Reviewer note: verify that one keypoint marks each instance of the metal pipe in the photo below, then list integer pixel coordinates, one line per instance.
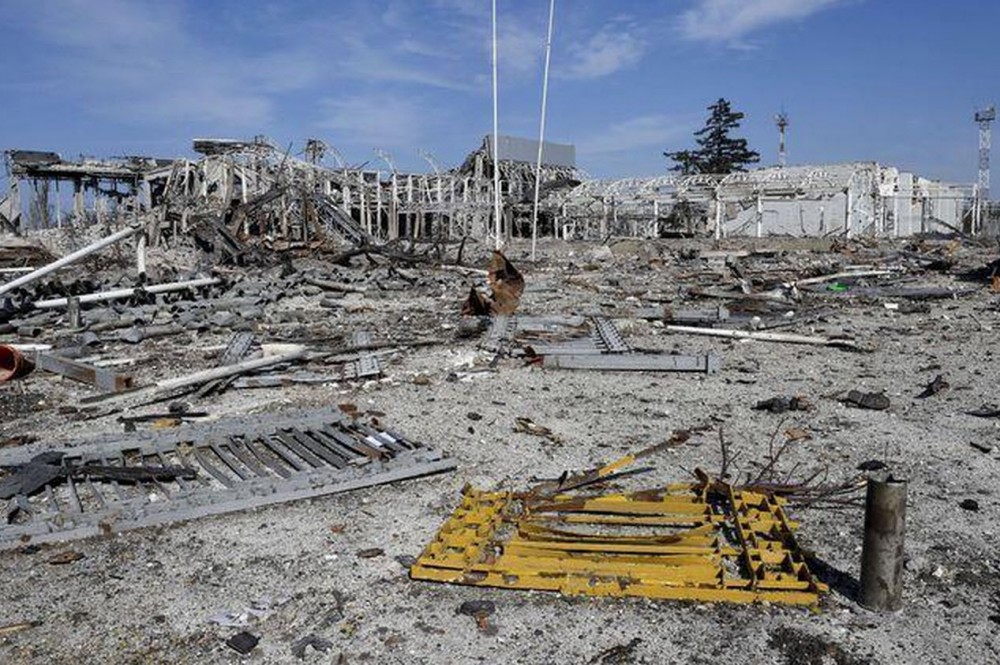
(13, 364)
(230, 370)
(69, 258)
(882, 554)
(125, 293)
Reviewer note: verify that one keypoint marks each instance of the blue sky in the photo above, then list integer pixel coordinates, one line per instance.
(883, 80)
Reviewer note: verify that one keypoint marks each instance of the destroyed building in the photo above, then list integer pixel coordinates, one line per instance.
(255, 190)
(280, 406)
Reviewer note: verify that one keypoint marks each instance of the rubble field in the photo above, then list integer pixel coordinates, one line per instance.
(379, 338)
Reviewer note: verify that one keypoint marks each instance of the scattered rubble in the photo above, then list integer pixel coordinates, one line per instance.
(872, 401)
(243, 643)
(936, 385)
(220, 326)
(782, 404)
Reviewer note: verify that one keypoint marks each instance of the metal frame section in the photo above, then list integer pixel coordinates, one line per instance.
(699, 542)
(603, 348)
(239, 464)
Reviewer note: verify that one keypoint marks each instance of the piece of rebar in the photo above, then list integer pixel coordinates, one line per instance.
(69, 258)
(882, 555)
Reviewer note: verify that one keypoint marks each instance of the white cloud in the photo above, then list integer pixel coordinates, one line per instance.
(654, 132)
(607, 51)
(380, 119)
(731, 20)
(139, 62)
(519, 48)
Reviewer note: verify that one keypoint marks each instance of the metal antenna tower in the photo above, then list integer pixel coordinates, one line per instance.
(337, 155)
(985, 118)
(781, 120)
(387, 158)
(315, 149)
(430, 159)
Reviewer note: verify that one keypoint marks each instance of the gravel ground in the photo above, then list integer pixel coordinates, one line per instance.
(148, 596)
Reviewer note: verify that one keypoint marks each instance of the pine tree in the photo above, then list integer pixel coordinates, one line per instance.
(717, 151)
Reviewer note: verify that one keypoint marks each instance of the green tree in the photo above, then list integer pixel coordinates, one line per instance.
(717, 152)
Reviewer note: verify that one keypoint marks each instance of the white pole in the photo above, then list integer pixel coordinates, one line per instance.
(70, 258)
(115, 294)
(496, 137)
(541, 129)
(140, 255)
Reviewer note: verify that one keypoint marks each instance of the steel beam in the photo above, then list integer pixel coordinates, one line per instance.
(635, 362)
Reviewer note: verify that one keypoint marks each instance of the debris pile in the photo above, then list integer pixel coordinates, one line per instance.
(251, 328)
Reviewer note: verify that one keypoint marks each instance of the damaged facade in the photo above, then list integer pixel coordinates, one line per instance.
(254, 190)
(160, 318)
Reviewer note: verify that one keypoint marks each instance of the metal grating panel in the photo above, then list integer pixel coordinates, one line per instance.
(608, 338)
(237, 349)
(367, 365)
(238, 464)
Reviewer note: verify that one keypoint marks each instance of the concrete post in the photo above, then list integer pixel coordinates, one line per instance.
(882, 554)
(73, 312)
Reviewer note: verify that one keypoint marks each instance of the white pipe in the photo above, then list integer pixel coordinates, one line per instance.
(140, 255)
(541, 130)
(70, 258)
(763, 336)
(125, 293)
(842, 275)
(496, 136)
(228, 370)
(204, 376)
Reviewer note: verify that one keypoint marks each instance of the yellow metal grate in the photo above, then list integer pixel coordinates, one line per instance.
(704, 542)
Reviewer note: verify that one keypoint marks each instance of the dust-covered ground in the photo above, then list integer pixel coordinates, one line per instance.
(149, 595)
